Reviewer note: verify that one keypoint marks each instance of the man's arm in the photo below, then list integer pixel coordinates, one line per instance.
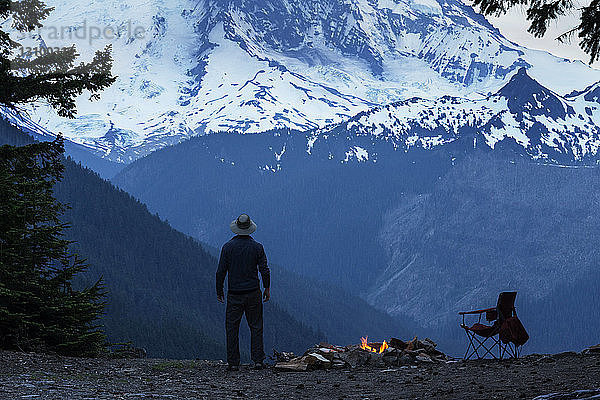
(265, 273)
(221, 273)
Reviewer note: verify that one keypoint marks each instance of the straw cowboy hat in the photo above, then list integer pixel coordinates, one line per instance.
(243, 225)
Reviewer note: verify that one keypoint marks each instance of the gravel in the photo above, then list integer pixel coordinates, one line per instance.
(36, 376)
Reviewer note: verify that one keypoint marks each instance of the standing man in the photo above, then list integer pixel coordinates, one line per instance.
(242, 257)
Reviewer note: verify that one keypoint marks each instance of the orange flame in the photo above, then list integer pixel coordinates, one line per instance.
(384, 346)
(364, 344)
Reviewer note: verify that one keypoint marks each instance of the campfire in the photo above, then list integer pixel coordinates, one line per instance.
(365, 346)
(395, 353)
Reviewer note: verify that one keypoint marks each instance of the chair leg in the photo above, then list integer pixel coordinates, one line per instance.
(512, 350)
(504, 349)
(489, 350)
(467, 352)
(516, 351)
(469, 346)
(474, 352)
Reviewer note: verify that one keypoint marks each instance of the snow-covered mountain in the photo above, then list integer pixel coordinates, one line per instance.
(522, 118)
(523, 114)
(214, 65)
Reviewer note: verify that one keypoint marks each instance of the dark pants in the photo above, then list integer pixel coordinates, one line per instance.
(251, 305)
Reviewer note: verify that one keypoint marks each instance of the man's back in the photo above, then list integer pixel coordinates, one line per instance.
(242, 258)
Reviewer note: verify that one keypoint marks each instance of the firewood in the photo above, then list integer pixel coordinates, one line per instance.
(397, 344)
(412, 344)
(292, 366)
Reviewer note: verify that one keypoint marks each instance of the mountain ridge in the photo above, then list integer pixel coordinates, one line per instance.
(542, 124)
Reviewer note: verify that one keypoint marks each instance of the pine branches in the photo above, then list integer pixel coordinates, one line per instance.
(589, 30)
(541, 13)
(39, 308)
(53, 77)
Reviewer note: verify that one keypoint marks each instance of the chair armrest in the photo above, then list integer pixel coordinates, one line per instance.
(476, 311)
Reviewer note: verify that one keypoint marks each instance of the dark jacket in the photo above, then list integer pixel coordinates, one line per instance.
(240, 258)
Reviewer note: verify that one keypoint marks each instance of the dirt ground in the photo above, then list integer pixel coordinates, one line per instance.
(34, 376)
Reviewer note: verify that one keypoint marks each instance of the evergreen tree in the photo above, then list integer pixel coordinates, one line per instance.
(541, 13)
(39, 308)
(53, 77)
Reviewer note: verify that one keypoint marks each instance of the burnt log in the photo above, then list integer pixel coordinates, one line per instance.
(398, 344)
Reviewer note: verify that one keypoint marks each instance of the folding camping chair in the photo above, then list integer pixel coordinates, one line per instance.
(506, 334)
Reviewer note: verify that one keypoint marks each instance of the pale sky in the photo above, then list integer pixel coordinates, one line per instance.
(514, 27)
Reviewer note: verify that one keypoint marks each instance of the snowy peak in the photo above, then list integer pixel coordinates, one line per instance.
(525, 94)
(206, 66)
(449, 35)
(593, 94)
(523, 116)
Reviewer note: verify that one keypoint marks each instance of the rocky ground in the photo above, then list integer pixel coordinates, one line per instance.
(34, 376)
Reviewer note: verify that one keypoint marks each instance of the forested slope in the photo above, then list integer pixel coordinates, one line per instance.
(161, 282)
